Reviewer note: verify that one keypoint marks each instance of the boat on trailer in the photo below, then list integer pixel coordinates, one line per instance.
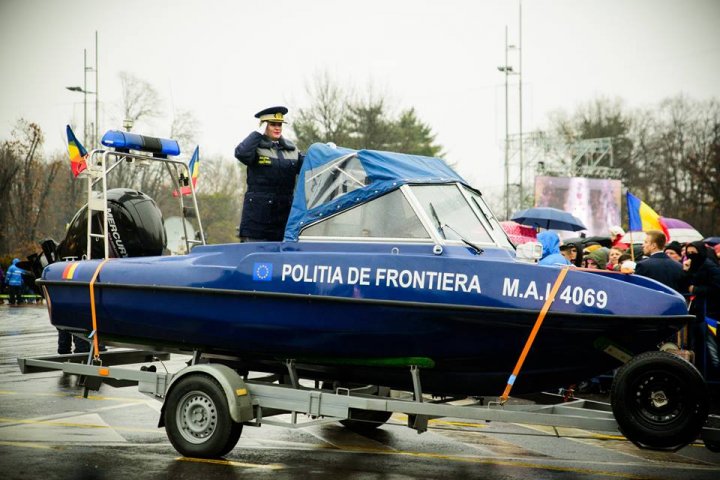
(391, 263)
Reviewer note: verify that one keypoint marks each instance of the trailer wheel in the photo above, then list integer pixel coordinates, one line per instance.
(364, 421)
(660, 401)
(197, 418)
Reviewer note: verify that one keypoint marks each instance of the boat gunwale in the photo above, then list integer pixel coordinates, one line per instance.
(372, 301)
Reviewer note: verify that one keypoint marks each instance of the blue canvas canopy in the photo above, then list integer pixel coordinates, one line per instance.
(333, 179)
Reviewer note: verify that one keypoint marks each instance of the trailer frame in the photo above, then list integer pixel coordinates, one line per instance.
(254, 401)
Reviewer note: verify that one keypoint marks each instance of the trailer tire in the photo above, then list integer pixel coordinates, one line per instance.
(660, 401)
(197, 418)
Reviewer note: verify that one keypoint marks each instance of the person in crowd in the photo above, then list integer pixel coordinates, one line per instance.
(550, 242)
(614, 258)
(591, 247)
(15, 283)
(658, 265)
(273, 163)
(589, 262)
(703, 277)
(570, 251)
(576, 254)
(625, 264)
(674, 251)
(616, 235)
(596, 259)
(712, 255)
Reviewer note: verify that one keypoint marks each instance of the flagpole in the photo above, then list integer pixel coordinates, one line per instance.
(627, 203)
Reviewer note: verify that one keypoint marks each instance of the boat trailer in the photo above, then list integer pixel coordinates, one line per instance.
(191, 394)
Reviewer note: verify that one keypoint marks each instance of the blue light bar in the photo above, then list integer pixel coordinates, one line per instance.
(132, 141)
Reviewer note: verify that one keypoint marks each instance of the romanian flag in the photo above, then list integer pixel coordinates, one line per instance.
(643, 218)
(194, 167)
(712, 325)
(78, 154)
(69, 271)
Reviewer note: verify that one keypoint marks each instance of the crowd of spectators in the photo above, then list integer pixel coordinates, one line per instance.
(691, 269)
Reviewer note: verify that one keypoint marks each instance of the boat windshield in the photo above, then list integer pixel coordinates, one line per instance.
(452, 215)
(388, 216)
(332, 180)
(488, 217)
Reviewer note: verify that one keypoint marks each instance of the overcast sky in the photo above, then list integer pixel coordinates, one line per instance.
(225, 60)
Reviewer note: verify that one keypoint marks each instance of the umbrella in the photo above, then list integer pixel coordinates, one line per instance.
(679, 231)
(676, 223)
(712, 241)
(604, 241)
(548, 218)
(517, 233)
(680, 235)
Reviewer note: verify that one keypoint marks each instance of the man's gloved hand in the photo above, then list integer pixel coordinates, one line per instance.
(261, 128)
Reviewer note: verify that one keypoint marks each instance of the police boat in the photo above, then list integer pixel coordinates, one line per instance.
(389, 261)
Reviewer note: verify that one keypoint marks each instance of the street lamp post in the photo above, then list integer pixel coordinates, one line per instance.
(85, 93)
(507, 70)
(520, 104)
(97, 94)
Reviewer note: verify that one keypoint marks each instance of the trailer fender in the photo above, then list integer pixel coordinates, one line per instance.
(238, 396)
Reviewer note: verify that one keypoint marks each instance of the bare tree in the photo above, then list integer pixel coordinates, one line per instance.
(686, 163)
(184, 129)
(668, 153)
(8, 171)
(360, 121)
(325, 120)
(29, 189)
(220, 175)
(140, 100)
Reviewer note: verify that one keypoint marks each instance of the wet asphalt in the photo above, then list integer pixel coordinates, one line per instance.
(49, 431)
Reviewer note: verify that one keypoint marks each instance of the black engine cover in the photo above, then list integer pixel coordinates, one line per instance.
(135, 228)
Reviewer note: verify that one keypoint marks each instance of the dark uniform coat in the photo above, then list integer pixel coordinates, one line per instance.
(664, 269)
(704, 276)
(272, 168)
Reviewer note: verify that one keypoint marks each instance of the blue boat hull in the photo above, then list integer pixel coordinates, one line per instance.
(248, 302)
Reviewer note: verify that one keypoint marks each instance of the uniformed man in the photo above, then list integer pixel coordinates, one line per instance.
(273, 163)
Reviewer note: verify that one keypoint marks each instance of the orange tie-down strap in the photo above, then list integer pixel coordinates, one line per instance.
(528, 344)
(96, 348)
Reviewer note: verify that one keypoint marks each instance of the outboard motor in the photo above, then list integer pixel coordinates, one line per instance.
(135, 228)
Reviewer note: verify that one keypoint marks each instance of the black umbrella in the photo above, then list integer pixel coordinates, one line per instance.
(548, 218)
(604, 241)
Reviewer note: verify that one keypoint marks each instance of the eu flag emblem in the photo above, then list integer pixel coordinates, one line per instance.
(262, 272)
